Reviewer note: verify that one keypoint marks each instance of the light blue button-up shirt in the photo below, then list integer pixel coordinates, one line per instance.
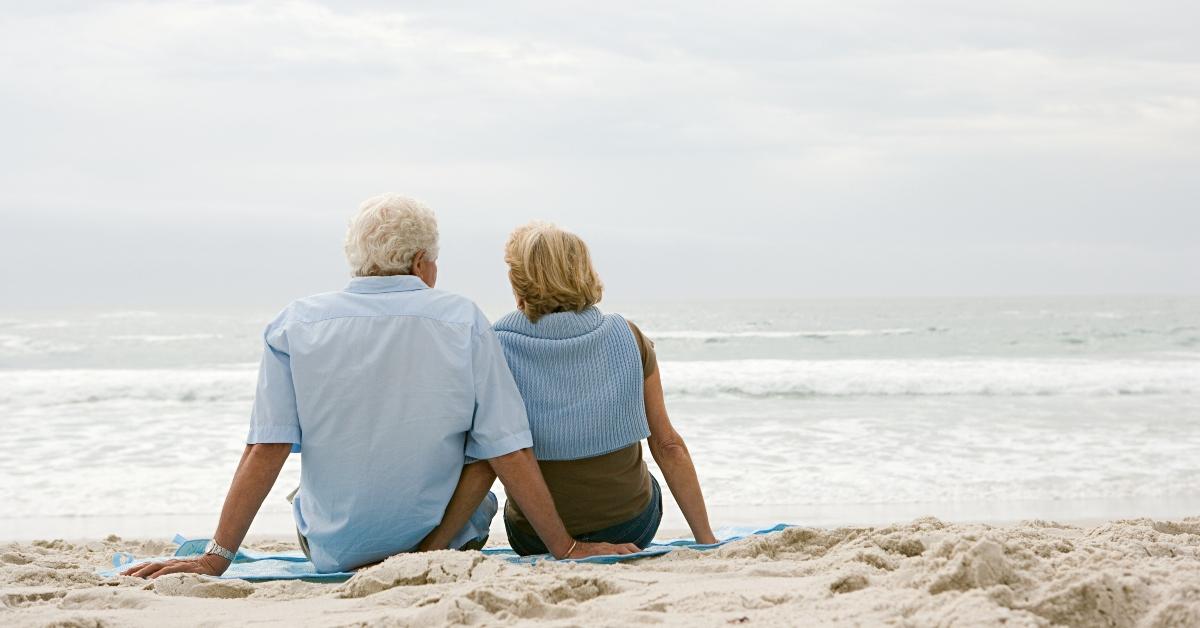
(389, 387)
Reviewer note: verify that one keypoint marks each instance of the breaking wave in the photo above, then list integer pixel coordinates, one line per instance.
(822, 333)
(929, 377)
(721, 378)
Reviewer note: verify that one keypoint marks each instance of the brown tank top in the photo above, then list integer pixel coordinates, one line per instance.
(598, 492)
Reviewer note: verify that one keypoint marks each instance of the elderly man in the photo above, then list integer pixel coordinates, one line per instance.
(393, 391)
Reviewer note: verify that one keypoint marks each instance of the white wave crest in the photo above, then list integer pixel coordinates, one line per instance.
(29, 388)
(128, 314)
(21, 346)
(690, 334)
(160, 338)
(55, 324)
(730, 378)
(932, 377)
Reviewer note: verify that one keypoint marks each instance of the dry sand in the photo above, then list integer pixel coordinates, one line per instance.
(925, 573)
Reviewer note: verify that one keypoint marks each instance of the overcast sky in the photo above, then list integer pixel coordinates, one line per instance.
(185, 153)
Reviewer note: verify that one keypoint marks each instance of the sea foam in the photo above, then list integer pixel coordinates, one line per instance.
(936, 377)
(710, 378)
(707, 335)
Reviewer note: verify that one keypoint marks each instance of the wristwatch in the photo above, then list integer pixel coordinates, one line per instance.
(213, 548)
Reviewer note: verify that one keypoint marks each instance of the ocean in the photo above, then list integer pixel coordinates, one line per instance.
(819, 412)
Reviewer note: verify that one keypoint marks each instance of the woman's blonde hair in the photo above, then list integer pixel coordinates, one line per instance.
(551, 270)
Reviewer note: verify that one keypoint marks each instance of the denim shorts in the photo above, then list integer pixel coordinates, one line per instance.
(640, 530)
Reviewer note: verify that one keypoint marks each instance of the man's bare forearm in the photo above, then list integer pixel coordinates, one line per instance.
(523, 482)
(255, 475)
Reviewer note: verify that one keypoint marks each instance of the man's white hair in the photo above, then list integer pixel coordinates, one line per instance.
(387, 232)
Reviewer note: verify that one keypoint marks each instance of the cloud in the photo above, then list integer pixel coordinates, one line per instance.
(809, 130)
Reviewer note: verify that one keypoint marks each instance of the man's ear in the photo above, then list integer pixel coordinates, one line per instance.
(417, 260)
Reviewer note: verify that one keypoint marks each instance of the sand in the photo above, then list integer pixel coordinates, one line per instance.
(1140, 572)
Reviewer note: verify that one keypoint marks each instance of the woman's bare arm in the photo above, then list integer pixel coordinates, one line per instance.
(671, 454)
(255, 475)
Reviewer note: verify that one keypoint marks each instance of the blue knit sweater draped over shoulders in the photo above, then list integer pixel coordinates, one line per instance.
(580, 374)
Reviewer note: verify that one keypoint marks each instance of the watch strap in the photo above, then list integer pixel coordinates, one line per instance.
(214, 548)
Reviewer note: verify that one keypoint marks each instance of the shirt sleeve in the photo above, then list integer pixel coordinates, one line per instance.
(274, 418)
(500, 425)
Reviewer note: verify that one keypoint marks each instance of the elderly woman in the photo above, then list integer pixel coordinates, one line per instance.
(592, 392)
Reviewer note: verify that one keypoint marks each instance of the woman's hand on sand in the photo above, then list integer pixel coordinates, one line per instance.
(208, 565)
(584, 549)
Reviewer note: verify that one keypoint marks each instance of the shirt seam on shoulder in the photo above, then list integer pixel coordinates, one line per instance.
(332, 318)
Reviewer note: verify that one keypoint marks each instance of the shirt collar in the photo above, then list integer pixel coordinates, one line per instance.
(389, 283)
